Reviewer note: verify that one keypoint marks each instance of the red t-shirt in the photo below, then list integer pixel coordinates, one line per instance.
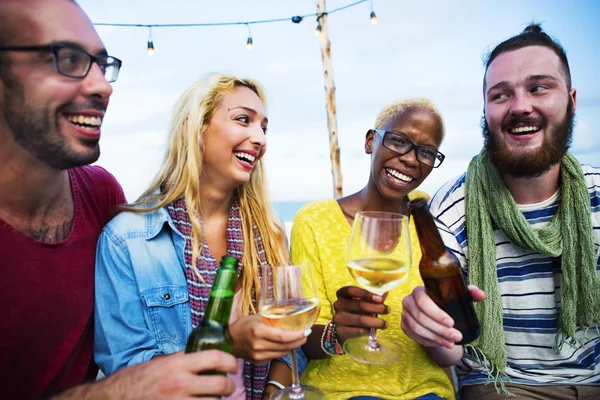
(47, 295)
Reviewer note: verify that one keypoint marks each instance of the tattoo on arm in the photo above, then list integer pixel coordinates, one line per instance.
(53, 234)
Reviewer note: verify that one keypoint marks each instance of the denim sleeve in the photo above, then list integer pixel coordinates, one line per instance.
(121, 335)
(300, 358)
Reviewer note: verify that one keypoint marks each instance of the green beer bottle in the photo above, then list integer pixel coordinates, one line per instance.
(213, 332)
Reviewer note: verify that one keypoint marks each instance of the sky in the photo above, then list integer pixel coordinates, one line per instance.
(428, 48)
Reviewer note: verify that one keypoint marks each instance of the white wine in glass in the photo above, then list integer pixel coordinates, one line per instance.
(378, 275)
(379, 258)
(289, 300)
(291, 315)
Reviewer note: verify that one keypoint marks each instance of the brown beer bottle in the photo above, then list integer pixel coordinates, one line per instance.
(442, 274)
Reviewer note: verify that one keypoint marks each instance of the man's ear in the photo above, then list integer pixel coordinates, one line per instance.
(369, 141)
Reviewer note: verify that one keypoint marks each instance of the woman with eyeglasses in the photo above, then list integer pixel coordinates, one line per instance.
(403, 146)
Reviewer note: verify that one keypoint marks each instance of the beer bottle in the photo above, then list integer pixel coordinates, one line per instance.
(442, 274)
(213, 332)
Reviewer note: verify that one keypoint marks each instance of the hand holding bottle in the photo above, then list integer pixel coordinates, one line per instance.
(426, 323)
(259, 343)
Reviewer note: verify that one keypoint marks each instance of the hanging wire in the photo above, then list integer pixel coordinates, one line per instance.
(249, 43)
(295, 19)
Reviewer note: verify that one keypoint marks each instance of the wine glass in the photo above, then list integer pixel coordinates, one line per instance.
(379, 258)
(289, 300)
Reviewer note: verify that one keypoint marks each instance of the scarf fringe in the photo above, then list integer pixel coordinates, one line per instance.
(562, 337)
(494, 374)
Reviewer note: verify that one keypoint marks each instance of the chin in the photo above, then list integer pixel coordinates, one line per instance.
(392, 195)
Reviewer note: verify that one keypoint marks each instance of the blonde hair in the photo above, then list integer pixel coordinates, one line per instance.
(180, 177)
(398, 107)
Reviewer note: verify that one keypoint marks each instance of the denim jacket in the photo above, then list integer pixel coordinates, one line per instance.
(142, 307)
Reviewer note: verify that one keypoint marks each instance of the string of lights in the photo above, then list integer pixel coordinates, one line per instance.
(296, 19)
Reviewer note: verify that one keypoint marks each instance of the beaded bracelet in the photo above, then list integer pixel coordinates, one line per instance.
(329, 342)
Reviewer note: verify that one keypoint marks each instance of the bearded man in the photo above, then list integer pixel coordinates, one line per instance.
(524, 220)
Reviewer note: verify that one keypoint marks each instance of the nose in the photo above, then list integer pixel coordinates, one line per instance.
(257, 136)
(520, 105)
(409, 158)
(95, 83)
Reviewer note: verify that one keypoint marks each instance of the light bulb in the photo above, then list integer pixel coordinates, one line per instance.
(249, 43)
(318, 30)
(373, 18)
(150, 47)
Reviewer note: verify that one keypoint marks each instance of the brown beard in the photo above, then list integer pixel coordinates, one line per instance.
(35, 131)
(537, 162)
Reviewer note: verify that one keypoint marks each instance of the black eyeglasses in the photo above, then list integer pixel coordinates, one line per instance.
(73, 62)
(401, 144)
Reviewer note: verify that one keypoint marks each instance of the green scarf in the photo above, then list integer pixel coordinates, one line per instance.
(568, 236)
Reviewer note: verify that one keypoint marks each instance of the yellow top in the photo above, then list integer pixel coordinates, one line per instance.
(320, 234)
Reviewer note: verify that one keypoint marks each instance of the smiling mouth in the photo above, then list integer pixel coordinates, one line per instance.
(397, 177)
(524, 130)
(249, 158)
(91, 124)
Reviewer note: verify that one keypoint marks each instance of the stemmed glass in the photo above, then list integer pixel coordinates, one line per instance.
(289, 300)
(379, 258)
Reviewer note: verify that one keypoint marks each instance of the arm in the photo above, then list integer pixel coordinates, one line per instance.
(121, 336)
(422, 320)
(280, 372)
(172, 376)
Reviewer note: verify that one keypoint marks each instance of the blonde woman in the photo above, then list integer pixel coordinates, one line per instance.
(156, 261)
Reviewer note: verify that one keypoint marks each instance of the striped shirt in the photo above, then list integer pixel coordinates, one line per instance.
(529, 284)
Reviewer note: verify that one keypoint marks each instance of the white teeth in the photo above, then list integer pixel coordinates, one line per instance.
(83, 120)
(401, 177)
(245, 156)
(523, 129)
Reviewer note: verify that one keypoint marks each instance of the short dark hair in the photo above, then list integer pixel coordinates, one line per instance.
(532, 35)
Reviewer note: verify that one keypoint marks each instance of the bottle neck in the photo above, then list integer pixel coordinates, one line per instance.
(432, 245)
(219, 305)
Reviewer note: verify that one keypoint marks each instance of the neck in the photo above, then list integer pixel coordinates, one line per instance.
(27, 185)
(372, 201)
(533, 190)
(214, 200)
(369, 199)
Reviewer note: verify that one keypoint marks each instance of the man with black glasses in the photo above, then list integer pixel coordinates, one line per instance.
(55, 77)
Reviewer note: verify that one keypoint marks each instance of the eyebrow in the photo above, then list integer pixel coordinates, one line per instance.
(250, 110)
(535, 78)
(75, 45)
(530, 79)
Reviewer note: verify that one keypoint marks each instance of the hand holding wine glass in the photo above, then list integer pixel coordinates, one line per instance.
(289, 300)
(379, 257)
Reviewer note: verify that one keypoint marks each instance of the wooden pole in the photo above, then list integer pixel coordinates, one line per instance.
(334, 149)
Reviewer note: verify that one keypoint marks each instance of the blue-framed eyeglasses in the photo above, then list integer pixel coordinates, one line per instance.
(73, 62)
(400, 144)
